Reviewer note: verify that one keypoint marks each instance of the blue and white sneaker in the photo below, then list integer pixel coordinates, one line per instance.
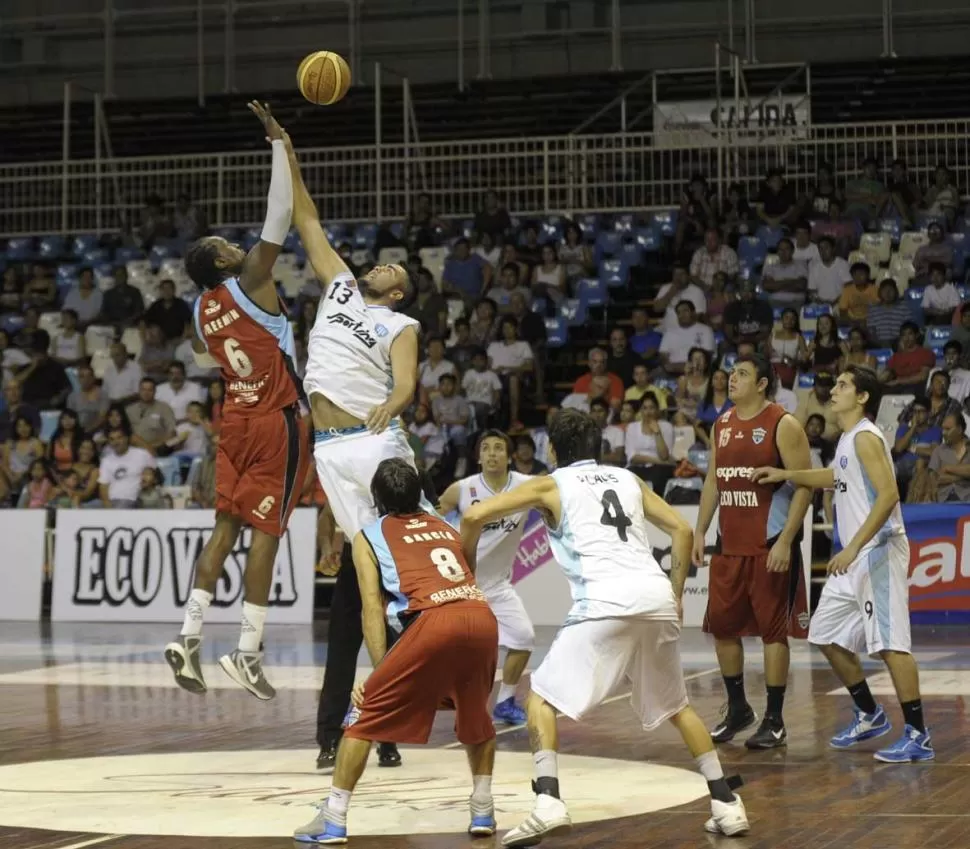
(509, 712)
(326, 828)
(482, 818)
(863, 727)
(912, 746)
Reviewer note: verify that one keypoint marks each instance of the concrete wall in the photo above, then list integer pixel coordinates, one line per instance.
(155, 51)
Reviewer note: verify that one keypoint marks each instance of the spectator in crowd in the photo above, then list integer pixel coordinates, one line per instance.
(512, 360)
(483, 389)
(575, 254)
(89, 400)
(642, 385)
(949, 463)
(14, 407)
(122, 305)
(736, 214)
(431, 370)
(649, 443)
(621, 360)
(27, 334)
(943, 197)
(152, 422)
(151, 496)
(613, 436)
(509, 286)
(463, 350)
(156, 353)
(204, 484)
(865, 195)
(717, 301)
(697, 213)
(510, 256)
(532, 328)
(191, 438)
(67, 492)
(119, 474)
(857, 350)
(41, 292)
(939, 404)
(183, 353)
(822, 450)
(117, 417)
(940, 298)
(961, 333)
(784, 396)
(787, 345)
(11, 359)
(155, 223)
(483, 324)
(39, 488)
(715, 403)
(20, 450)
(822, 193)
(692, 386)
(645, 341)
(826, 351)
(909, 368)
(904, 195)
(492, 218)
(914, 441)
(213, 405)
(432, 440)
(549, 276)
(11, 291)
(189, 219)
(452, 414)
(465, 275)
(936, 250)
(829, 275)
(748, 319)
(529, 250)
(178, 392)
(86, 467)
(786, 282)
(62, 450)
(711, 258)
(67, 344)
(885, 319)
(599, 387)
(679, 289)
(858, 297)
(678, 341)
(805, 250)
(488, 250)
(952, 366)
(777, 204)
(429, 307)
(524, 459)
(44, 382)
(598, 368)
(816, 402)
(122, 376)
(85, 299)
(172, 315)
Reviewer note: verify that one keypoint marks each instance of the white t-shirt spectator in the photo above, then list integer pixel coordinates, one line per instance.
(429, 375)
(13, 360)
(782, 273)
(678, 341)
(179, 400)
(479, 386)
(430, 434)
(512, 356)
(196, 438)
(124, 383)
(826, 282)
(692, 292)
(576, 401)
(959, 383)
(122, 472)
(940, 300)
(704, 265)
(183, 353)
(67, 348)
(808, 254)
(786, 399)
(615, 436)
(638, 442)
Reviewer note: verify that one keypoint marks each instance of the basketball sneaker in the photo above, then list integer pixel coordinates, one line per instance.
(912, 746)
(509, 712)
(864, 726)
(547, 818)
(246, 669)
(771, 734)
(482, 818)
(327, 828)
(727, 818)
(388, 755)
(732, 722)
(327, 759)
(182, 655)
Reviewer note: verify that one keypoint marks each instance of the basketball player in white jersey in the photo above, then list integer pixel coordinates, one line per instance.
(864, 605)
(496, 553)
(624, 625)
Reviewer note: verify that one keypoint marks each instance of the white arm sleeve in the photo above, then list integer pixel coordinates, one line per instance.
(204, 360)
(279, 204)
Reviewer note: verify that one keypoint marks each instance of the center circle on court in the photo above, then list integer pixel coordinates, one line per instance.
(270, 793)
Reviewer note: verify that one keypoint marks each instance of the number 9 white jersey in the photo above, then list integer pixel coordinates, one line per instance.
(601, 544)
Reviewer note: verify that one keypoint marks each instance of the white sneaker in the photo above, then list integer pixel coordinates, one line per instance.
(729, 819)
(548, 817)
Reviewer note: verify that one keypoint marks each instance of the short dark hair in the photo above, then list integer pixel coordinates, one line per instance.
(177, 364)
(953, 345)
(200, 264)
(495, 433)
(959, 420)
(866, 380)
(598, 402)
(860, 266)
(396, 488)
(762, 370)
(509, 319)
(937, 266)
(147, 379)
(575, 436)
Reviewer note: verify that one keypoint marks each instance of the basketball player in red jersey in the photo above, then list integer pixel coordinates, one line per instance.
(242, 327)
(756, 585)
(448, 651)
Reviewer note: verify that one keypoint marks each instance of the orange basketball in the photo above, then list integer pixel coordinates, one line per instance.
(323, 77)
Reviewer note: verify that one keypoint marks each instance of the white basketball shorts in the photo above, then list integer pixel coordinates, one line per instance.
(515, 629)
(346, 463)
(594, 659)
(867, 608)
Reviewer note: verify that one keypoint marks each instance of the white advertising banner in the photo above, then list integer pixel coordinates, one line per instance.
(22, 565)
(139, 565)
(690, 122)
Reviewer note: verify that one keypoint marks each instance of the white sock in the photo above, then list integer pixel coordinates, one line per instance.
(505, 691)
(710, 766)
(339, 801)
(195, 608)
(253, 619)
(482, 787)
(546, 763)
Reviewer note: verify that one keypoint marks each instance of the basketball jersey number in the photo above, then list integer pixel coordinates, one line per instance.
(447, 565)
(238, 361)
(341, 293)
(613, 514)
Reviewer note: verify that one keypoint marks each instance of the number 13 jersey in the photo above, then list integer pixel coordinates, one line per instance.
(601, 544)
(254, 349)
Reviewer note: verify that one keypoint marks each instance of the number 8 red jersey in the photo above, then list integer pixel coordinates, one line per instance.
(255, 350)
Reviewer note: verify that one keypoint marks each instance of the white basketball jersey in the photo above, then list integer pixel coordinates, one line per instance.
(601, 544)
(500, 540)
(854, 492)
(349, 353)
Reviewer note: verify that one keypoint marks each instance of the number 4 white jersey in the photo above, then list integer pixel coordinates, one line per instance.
(601, 544)
(349, 353)
(500, 540)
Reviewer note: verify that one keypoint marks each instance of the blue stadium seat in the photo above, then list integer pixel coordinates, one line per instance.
(556, 332)
(814, 311)
(230, 234)
(843, 333)
(964, 292)
(699, 457)
(719, 338)
(124, 255)
(550, 230)
(48, 424)
(649, 240)
(467, 228)
(66, 274)
(83, 243)
(539, 306)
(915, 293)
(752, 251)
(666, 222)
(291, 241)
(589, 226)
(728, 360)
(806, 380)
(613, 273)
(95, 256)
(959, 268)
(20, 249)
(667, 383)
(924, 219)
(808, 336)
(892, 226)
(938, 335)
(397, 230)
(592, 292)
(607, 244)
(771, 236)
(881, 355)
(573, 311)
(171, 470)
(250, 238)
(625, 223)
(104, 269)
(364, 236)
(938, 353)
(51, 247)
(776, 313)
(158, 254)
(631, 254)
(12, 323)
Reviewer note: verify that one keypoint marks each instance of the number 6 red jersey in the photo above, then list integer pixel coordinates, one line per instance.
(255, 350)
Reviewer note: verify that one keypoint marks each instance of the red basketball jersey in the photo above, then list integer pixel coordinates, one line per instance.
(422, 565)
(750, 514)
(255, 350)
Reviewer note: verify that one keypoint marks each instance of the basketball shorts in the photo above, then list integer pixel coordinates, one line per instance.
(447, 655)
(261, 465)
(867, 608)
(346, 462)
(744, 599)
(593, 659)
(515, 629)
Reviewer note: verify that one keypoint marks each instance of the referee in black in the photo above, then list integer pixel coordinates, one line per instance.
(345, 636)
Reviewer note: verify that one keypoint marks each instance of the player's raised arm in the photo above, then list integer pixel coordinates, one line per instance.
(372, 608)
(795, 456)
(449, 500)
(258, 266)
(665, 517)
(326, 262)
(705, 512)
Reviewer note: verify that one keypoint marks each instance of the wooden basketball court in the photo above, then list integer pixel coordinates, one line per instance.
(99, 748)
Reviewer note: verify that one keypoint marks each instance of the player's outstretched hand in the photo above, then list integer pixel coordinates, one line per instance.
(840, 564)
(329, 565)
(262, 111)
(766, 474)
(357, 696)
(697, 552)
(779, 558)
(378, 419)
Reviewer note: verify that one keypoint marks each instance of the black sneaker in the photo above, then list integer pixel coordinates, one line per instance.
(388, 755)
(770, 735)
(327, 759)
(733, 721)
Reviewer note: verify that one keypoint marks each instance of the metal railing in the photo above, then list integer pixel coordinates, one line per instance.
(534, 176)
